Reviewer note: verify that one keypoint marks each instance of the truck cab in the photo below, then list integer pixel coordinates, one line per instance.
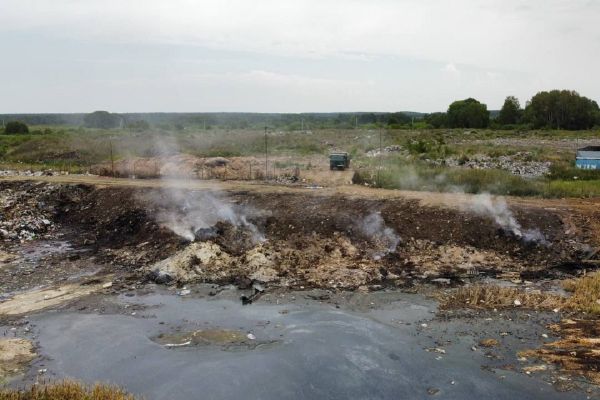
(339, 160)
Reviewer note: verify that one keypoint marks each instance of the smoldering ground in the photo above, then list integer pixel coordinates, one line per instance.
(484, 204)
(192, 214)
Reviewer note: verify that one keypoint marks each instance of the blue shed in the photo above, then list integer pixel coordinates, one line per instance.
(588, 158)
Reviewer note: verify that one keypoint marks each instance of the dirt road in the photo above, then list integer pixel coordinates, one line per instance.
(427, 198)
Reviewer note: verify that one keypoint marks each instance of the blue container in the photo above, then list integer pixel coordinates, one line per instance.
(583, 163)
(588, 158)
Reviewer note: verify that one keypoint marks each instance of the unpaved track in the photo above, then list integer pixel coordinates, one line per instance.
(427, 198)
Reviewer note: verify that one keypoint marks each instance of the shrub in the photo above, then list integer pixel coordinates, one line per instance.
(16, 127)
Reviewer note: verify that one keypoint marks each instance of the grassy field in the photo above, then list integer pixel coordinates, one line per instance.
(419, 165)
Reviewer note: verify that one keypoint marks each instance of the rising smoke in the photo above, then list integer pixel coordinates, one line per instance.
(496, 208)
(187, 212)
(482, 204)
(373, 226)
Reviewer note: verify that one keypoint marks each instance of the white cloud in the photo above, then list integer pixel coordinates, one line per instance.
(540, 45)
(494, 33)
(451, 70)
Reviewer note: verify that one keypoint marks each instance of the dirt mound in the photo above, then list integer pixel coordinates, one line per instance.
(311, 239)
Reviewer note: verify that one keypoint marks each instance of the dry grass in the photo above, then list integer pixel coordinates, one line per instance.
(578, 352)
(491, 296)
(585, 293)
(67, 390)
(585, 297)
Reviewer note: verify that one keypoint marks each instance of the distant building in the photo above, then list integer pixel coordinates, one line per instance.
(588, 158)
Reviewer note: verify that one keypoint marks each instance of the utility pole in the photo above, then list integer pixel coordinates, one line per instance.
(355, 122)
(380, 158)
(302, 122)
(266, 156)
(112, 161)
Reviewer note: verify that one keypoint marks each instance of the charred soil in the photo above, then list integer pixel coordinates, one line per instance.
(309, 239)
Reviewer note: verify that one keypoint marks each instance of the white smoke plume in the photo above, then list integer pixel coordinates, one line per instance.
(482, 204)
(373, 226)
(185, 212)
(497, 208)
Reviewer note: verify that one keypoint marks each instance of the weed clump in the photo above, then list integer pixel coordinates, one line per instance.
(585, 293)
(585, 297)
(487, 297)
(67, 390)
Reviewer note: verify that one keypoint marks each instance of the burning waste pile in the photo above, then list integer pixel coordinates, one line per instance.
(227, 243)
(496, 208)
(24, 214)
(226, 247)
(194, 215)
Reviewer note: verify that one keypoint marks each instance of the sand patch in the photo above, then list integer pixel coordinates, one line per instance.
(40, 299)
(15, 354)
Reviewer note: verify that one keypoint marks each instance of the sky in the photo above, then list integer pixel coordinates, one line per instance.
(291, 56)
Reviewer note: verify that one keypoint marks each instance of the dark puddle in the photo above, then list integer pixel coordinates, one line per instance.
(373, 347)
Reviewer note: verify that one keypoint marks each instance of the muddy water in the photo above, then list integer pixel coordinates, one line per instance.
(371, 348)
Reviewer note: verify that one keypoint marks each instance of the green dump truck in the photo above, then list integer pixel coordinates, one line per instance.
(339, 160)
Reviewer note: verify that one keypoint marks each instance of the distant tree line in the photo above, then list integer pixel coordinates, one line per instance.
(556, 109)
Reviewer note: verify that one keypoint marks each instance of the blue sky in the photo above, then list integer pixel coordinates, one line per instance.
(291, 56)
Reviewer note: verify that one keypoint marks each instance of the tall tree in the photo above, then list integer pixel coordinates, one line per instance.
(510, 113)
(561, 109)
(468, 113)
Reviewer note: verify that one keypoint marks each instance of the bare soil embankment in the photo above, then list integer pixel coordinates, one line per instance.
(311, 238)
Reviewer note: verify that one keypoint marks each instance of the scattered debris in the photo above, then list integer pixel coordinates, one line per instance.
(577, 352)
(489, 342)
(225, 338)
(520, 163)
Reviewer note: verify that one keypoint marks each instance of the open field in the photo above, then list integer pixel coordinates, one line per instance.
(521, 163)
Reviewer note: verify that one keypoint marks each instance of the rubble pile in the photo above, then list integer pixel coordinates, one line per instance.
(322, 262)
(45, 172)
(395, 148)
(431, 260)
(315, 261)
(517, 164)
(305, 240)
(24, 215)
